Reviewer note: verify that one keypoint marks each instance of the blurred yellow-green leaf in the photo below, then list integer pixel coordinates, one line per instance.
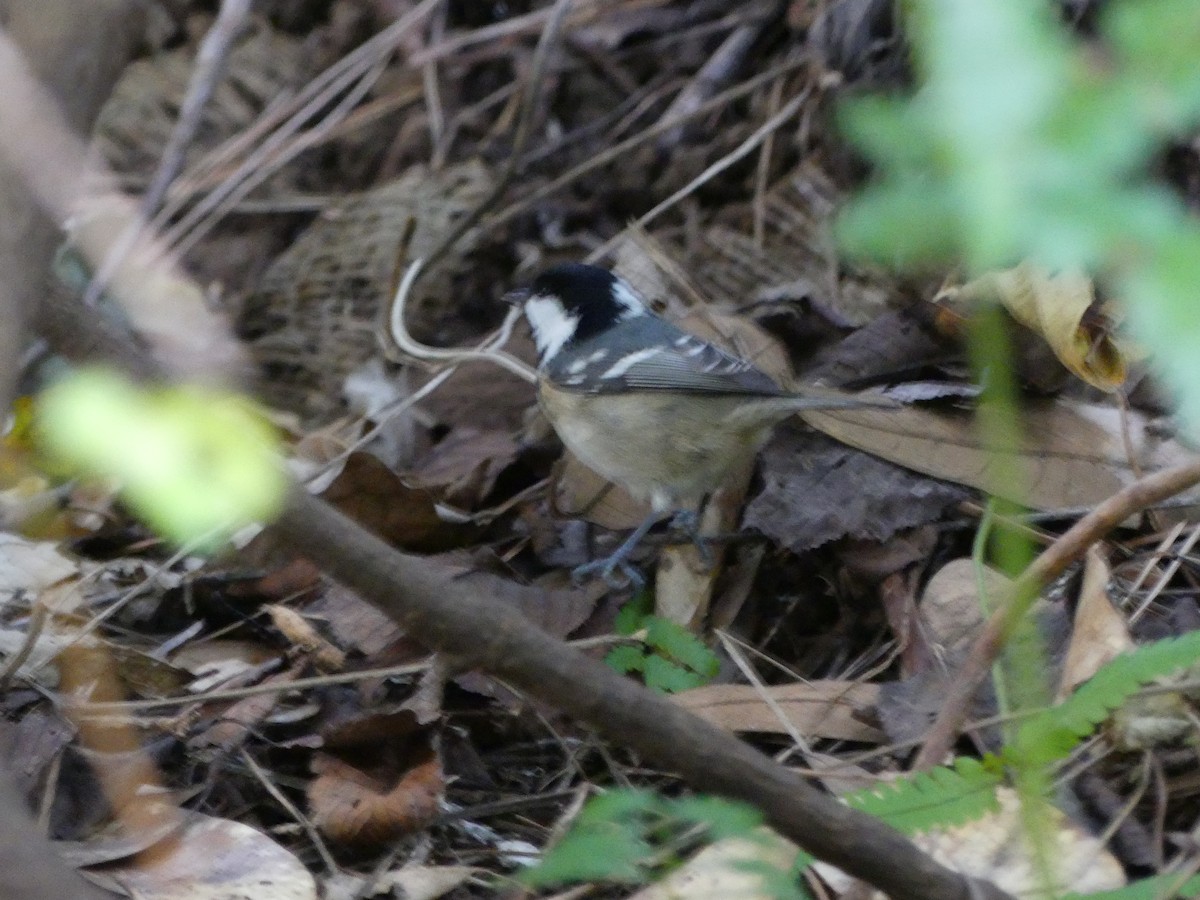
(195, 462)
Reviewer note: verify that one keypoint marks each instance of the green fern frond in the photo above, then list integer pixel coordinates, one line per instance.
(1054, 733)
(940, 798)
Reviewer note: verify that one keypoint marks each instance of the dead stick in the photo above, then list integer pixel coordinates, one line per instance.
(1017, 599)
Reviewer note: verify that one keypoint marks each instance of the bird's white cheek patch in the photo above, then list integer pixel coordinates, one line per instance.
(551, 325)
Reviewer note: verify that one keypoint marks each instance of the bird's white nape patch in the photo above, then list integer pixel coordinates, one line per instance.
(626, 298)
(552, 326)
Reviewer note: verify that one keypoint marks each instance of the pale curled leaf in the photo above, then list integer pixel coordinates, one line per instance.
(1055, 305)
(408, 881)
(1101, 633)
(995, 848)
(27, 565)
(213, 859)
(743, 867)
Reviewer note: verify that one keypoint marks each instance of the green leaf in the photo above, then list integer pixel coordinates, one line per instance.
(196, 463)
(680, 644)
(626, 803)
(889, 130)
(724, 818)
(940, 797)
(1160, 291)
(632, 615)
(664, 675)
(626, 659)
(606, 842)
(1157, 44)
(908, 224)
(614, 852)
(1052, 734)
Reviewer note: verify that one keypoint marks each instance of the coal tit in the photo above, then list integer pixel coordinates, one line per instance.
(658, 411)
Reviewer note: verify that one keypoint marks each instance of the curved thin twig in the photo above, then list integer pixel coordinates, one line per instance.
(486, 352)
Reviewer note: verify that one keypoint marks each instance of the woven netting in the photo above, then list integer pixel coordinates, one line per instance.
(315, 316)
(138, 118)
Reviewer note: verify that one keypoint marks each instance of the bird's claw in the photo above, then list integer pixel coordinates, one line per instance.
(688, 521)
(616, 572)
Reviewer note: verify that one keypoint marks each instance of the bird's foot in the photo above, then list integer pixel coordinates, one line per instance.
(616, 571)
(688, 522)
(618, 561)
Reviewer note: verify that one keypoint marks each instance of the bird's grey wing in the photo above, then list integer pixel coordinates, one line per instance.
(646, 354)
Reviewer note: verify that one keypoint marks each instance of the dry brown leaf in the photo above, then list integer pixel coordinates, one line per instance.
(950, 613)
(483, 396)
(554, 609)
(874, 561)
(212, 859)
(462, 467)
(354, 623)
(579, 493)
(146, 675)
(1100, 634)
(301, 634)
(816, 490)
(356, 728)
(320, 454)
(364, 802)
(685, 580)
(1060, 308)
(1072, 454)
(215, 661)
(112, 842)
(295, 578)
(31, 744)
(838, 710)
(378, 499)
(235, 722)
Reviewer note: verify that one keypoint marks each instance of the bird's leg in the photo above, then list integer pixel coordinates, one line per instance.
(619, 559)
(688, 521)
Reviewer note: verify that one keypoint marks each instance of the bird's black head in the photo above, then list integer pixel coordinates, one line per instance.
(572, 302)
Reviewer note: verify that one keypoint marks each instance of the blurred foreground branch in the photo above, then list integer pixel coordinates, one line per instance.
(76, 51)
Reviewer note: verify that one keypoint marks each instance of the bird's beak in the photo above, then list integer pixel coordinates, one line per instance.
(516, 297)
